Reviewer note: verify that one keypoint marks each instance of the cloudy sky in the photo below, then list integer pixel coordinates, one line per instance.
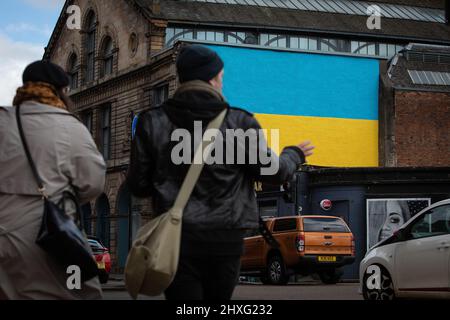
(25, 28)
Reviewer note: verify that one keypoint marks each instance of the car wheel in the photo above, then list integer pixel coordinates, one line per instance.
(330, 276)
(384, 292)
(276, 271)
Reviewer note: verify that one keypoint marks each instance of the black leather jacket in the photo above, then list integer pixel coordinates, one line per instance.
(224, 197)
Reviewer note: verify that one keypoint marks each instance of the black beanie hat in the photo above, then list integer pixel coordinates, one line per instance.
(45, 71)
(197, 62)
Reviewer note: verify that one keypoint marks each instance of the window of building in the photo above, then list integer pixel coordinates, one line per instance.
(90, 47)
(393, 49)
(383, 49)
(263, 39)
(201, 35)
(105, 132)
(333, 45)
(284, 41)
(108, 56)
(298, 43)
(210, 36)
(87, 217)
(375, 49)
(220, 36)
(160, 95)
(274, 40)
(251, 38)
(103, 212)
(234, 37)
(72, 70)
(312, 44)
(365, 48)
(86, 118)
(268, 208)
(174, 34)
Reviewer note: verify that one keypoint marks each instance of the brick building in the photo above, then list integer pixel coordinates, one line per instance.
(418, 108)
(122, 62)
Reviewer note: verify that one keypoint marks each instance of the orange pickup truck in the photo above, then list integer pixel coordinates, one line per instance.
(306, 245)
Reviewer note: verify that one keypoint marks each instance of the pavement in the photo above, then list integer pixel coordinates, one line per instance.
(116, 283)
(306, 288)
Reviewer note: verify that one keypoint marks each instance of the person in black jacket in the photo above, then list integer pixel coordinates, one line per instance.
(223, 205)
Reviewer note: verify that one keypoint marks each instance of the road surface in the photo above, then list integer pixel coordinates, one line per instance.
(304, 291)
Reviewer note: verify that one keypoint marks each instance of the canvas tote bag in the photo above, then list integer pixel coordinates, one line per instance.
(153, 260)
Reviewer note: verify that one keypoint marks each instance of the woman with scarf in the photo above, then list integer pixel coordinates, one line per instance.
(66, 158)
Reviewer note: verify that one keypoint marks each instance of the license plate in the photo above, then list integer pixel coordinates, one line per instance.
(327, 259)
(101, 265)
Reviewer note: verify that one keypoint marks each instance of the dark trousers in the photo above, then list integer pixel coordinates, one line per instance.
(207, 278)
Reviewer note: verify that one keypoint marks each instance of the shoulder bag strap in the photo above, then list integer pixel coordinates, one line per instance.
(195, 170)
(41, 188)
(267, 235)
(37, 177)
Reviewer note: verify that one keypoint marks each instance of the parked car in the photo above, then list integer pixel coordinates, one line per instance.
(307, 245)
(414, 262)
(102, 257)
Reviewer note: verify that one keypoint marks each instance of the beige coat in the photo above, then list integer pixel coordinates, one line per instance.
(67, 159)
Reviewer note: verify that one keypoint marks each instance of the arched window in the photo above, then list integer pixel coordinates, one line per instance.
(364, 48)
(102, 209)
(91, 31)
(108, 56)
(87, 216)
(123, 214)
(72, 70)
(129, 222)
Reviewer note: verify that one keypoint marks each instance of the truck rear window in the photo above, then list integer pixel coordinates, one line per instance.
(324, 225)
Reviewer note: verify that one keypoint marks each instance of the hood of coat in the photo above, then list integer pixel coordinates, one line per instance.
(194, 101)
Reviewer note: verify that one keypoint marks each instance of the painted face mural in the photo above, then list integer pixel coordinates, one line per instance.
(386, 216)
(394, 220)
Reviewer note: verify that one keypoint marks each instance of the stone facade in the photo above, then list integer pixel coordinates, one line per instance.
(116, 19)
(137, 75)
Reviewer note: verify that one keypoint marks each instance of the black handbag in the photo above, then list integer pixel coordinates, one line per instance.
(59, 235)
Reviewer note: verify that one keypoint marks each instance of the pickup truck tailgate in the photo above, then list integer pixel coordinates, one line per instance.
(327, 236)
(328, 243)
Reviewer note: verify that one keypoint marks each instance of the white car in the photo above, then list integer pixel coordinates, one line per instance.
(414, 262)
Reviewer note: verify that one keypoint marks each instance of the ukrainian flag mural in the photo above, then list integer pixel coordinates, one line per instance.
(331, 100)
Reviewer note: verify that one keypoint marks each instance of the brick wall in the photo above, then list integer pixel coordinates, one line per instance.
(422, 128)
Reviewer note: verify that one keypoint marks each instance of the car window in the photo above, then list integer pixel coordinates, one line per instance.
(252, 233)
(433, 223)
(324, 225)
(285, 225)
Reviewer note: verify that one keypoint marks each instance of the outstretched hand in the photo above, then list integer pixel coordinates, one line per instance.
(307, 148)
